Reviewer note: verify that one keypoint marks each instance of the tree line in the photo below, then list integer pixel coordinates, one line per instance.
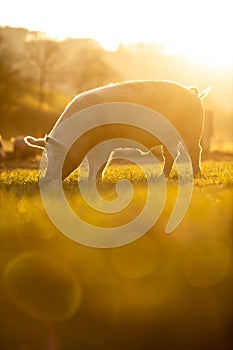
(38, 75)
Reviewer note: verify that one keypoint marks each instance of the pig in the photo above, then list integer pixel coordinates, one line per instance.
(180, 105)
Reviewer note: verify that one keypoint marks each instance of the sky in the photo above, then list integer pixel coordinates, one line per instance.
(201, 30)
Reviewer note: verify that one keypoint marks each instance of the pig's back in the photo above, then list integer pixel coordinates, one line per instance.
(172, 100)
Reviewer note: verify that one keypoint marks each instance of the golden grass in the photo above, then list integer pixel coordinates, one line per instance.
(56, 290)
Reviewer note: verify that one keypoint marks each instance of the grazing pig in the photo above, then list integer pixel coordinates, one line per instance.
(180, 105)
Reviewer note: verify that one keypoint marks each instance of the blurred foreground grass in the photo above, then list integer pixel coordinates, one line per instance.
(160, 292)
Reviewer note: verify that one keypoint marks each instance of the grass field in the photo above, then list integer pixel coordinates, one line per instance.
(159, 292)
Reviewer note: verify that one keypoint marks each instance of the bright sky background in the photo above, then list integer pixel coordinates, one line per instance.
(200, 29)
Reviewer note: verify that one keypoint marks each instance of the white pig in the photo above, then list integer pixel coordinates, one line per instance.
(180, 105)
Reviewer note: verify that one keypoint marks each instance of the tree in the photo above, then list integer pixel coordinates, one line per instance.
(41, 53)
(10, 81)
(93, 70)
(84, 65)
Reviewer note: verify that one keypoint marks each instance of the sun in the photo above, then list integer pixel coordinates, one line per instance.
(212, 48)
(219, 57)
(200, 30)
(203, 33)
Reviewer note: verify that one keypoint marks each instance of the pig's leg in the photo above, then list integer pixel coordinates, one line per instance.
(195, 155)
(93, 172)
(194, 149)
(83, 173)
(91, 166)
(168, 162)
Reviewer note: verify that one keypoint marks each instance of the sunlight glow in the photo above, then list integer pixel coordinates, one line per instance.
(201, 30)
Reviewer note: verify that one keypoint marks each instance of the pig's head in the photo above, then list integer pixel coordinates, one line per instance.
(54, 152)
(34, 142)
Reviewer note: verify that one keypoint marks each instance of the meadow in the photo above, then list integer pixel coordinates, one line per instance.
(162, 291)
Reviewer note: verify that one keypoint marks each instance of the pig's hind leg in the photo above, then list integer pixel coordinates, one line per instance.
(195, 155)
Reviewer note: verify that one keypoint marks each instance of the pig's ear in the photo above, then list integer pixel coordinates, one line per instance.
(202, 95)
(34, 142)
(194, 89)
